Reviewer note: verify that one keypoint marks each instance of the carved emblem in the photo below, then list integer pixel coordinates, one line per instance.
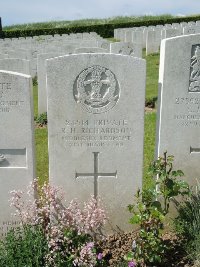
(194, 82)
(126, 50)
(96, 89)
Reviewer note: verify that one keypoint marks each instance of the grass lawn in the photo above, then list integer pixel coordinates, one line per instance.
(150, 127)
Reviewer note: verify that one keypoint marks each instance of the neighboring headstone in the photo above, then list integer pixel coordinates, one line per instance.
(179, 109)
(191, 29)
(95, 127)
(172, 33)
(16, 141)
(126, 48)
(41, 78)
(152, 44)
(137, 37)
(16, 65)
(128, 35)
(90, 50)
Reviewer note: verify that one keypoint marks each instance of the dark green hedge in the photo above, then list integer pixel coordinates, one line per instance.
(105, 30)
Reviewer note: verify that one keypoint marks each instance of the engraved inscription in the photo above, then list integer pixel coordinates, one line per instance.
(4, 87)
(96, 174)
(96, 89)
(96, 133)
(194, 81)
(187, 111)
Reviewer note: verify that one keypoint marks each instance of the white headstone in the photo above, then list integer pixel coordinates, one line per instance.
(126, 48)
(90, 50)
(41, 75)
(179, 112)
(95, 127)
(16, 65)
(16, 141)
(152, 44)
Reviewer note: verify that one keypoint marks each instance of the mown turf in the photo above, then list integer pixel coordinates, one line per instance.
(152, 62)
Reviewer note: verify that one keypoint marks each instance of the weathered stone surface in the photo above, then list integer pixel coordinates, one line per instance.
(95, 127)
(41, 70)
(16, 65)
(126, 48)
(90, 50)
(179, 108)
(16, 141)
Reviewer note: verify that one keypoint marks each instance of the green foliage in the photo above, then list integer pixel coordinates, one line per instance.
(35, 83)
(60, 24)
(152, 62)
(25, 246)
(187, 223)
(42, 119)
(103, 27)
(41, 143)
(151, 208)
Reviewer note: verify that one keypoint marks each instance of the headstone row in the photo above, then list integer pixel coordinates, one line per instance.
(96, 124)
(150, 37)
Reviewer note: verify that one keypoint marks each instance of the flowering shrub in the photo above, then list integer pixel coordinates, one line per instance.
(150, 210)
(70, 232)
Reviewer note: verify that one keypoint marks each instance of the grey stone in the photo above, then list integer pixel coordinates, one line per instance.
(41, 75)
(179, 106)
(152, 43)
(16, 142)
(90, 50)
(126, 48)
(95, 127)
(2, 56)
(16, 65)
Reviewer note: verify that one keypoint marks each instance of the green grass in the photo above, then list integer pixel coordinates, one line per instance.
(42, 163)
(152, 75)
(35, 99)
(149, 146)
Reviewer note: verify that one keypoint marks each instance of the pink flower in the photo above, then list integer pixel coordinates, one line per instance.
(131, 264)
(100, 256)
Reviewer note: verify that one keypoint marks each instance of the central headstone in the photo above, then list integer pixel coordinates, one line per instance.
(95, 127)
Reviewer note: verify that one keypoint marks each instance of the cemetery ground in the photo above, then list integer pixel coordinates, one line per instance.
(119, 244)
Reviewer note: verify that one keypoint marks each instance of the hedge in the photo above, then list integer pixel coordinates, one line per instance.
(104, 30)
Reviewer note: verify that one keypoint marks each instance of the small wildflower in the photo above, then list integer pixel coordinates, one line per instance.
(131, 264)
(100, 256)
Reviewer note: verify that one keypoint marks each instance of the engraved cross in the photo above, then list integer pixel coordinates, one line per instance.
(96, 174)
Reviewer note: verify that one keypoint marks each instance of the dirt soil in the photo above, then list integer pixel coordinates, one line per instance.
(116, 246)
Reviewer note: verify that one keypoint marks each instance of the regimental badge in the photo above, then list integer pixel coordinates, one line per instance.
(96, 89)
(126, 50)
(194, 81)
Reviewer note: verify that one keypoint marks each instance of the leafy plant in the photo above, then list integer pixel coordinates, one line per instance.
(24, 247)
(35, 82)
(63, 235)
(187, 223)
(42, 119)
(150, 210)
